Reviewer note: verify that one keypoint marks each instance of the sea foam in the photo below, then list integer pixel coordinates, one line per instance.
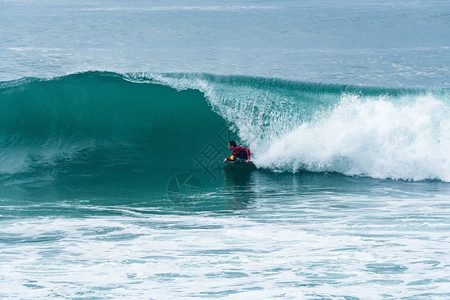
(376, 137)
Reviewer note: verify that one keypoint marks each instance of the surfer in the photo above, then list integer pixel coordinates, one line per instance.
(238, 153)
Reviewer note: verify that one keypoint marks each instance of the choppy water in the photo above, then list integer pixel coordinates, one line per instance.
(114, 121)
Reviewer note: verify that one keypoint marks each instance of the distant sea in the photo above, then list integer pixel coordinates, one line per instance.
(114, 123)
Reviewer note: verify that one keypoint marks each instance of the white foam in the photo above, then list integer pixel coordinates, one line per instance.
(408, 139)
(169, 256)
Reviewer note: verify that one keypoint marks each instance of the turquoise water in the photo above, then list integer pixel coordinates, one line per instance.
(114, 122)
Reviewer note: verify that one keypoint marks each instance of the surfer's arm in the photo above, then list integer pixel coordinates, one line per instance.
(231, 158)
(248, 154)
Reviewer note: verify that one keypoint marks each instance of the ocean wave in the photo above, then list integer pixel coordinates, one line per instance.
(154, 121)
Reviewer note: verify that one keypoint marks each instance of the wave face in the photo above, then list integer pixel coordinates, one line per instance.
(149, 126)
(99, 129)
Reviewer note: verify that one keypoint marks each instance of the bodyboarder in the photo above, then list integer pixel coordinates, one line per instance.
(239, 154)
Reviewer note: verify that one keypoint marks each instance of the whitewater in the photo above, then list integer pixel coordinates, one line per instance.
(114, 123)
(381, 133)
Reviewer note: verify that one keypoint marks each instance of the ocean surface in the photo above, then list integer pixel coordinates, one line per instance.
(114, 123)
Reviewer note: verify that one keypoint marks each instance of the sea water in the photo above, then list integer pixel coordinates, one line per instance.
(114, 123)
